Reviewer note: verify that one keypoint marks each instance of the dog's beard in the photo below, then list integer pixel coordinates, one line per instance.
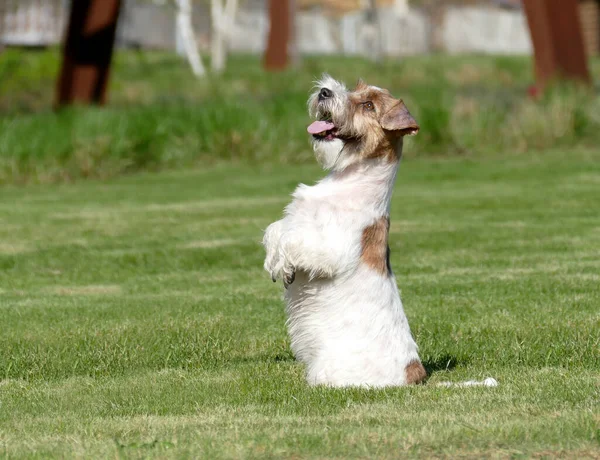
(328, 153)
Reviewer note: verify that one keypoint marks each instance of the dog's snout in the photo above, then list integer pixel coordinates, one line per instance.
(325, 93)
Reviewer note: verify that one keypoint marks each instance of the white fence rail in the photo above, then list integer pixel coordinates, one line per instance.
(32, 22)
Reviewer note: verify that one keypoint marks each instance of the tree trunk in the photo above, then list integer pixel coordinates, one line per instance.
(87, 52)
(557, 40)
(371, 33)
(2, 16)
(188, 38)
(217, 51)
(276, 55)
(293, 50)
(223, 19)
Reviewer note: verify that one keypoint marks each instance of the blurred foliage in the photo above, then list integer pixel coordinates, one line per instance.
(160, 116)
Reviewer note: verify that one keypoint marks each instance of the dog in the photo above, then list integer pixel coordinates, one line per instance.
(345, 316)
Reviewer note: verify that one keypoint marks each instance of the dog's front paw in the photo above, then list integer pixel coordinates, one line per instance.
(278, 261)
(271, 244)
(271, 265)
(289, 278)
(284, 271)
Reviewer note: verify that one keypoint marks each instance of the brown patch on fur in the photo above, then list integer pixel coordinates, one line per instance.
(375, 250)
(380, 130)
(399, 120)
(415, 373)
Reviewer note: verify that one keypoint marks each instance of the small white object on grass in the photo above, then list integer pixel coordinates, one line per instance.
(489, 382)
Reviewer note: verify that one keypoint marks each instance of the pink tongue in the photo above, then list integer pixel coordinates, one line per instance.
(320, 126)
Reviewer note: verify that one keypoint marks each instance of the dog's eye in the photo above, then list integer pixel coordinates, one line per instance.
(368, 105)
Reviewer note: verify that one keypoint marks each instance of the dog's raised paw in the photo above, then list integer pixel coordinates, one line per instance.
(288, 278)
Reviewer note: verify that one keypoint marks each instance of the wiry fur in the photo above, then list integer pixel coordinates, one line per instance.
(329, 154)
(346, 320)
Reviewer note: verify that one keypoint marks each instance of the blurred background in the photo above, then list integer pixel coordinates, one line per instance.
(195, 81)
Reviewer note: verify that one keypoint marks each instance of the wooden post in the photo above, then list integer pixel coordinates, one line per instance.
(2, 19)
(276, 56)
(557, 40)
(87, 52)
(293, 50)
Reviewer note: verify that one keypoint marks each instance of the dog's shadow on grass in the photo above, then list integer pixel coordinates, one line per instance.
(278, 358)
(282, 357)
(440, 364)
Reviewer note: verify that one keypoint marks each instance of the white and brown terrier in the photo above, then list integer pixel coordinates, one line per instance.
(346, 320)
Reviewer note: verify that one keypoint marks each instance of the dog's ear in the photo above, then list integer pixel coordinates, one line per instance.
(398, 118)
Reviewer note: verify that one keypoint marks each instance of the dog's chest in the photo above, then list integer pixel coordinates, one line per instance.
(349, 218)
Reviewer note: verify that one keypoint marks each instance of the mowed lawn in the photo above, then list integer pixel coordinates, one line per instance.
(136, 319)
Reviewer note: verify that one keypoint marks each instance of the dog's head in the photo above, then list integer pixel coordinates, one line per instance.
(367, 122)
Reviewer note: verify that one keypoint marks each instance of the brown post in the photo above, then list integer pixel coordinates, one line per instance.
(293, 50)
(557, 40)
(87, 52)
(2, 19)
(276, 56)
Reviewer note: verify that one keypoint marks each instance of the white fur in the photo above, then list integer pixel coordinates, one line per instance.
(339, 89)
(329, 154)
(346, 320)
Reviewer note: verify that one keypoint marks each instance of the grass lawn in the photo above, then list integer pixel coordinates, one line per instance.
(136, 320)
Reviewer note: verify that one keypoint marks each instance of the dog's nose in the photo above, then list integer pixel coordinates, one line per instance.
(325, 94)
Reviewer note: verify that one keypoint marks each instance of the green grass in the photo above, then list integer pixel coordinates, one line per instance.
(136, 320)
(161, 117)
